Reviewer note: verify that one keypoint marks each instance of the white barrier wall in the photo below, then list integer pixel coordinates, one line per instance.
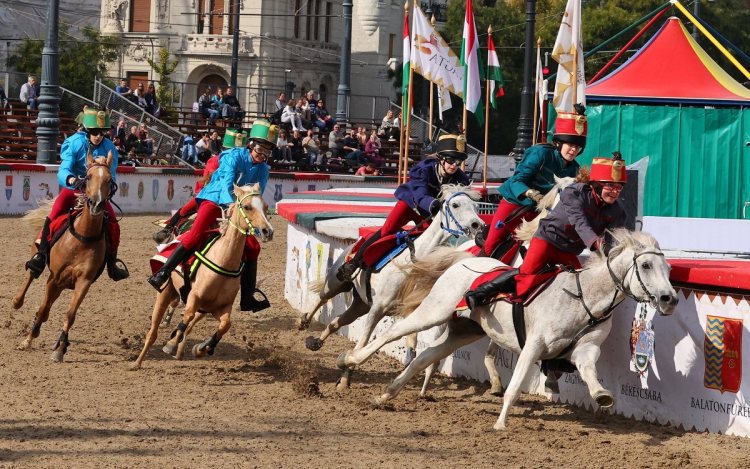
(691, 375)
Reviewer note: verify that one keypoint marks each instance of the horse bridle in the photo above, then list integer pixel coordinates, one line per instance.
(81, 184)
(619, 283)
(251, 229)
(450, 217)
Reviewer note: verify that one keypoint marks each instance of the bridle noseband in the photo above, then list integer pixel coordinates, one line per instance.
(450, 217)
(251, 229)
(621, 286)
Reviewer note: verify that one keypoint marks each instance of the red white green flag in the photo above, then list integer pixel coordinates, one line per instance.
(407, 62)
(473, 67)
(494, 73)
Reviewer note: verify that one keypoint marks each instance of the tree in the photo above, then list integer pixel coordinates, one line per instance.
(81, 60)
(165, 95)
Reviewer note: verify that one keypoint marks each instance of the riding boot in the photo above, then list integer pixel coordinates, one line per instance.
(347, 270)
(115, 272)
(162, 275)
(163, 234)
(247, 289)
(483, 294)
(38, 261)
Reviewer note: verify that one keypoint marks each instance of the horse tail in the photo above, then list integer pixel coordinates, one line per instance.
(35, 218)
(422, 274)
(316, 286)
(528, 227)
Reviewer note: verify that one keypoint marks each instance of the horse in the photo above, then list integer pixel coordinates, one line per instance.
(569, 319)
(458, 211)
(78, 258)
(213, 290)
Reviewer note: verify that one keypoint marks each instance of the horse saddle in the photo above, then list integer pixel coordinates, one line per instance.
(382, 251)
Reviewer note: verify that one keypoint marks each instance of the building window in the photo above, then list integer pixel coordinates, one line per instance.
(135, 78)
(308, 30)
(140, 16)
(329, 11)
(231, 17)
(202, 19)
(296, 19)
(391, 43)
(316, 27)
(217, 16)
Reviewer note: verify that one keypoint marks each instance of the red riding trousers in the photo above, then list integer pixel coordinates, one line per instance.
(208, 212)
(498, 235)
(399, 216)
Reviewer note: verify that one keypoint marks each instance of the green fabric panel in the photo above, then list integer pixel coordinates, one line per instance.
(308, 219)
(745, 166)
(275, 175)
(381, 179)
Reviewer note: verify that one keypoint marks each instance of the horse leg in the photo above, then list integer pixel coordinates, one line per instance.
(209, 346)
(177, 338)
(459, 333)
(79, 293)
(303, 322)
(429, 372)
(198, 316)
(51, 294)
(163, 301)
(187, 319)
(490, 358)
(170, 310)
(18, 299)
(375, 313)
(585, 356)
(411, 348)
(530, 354)
(357, 309)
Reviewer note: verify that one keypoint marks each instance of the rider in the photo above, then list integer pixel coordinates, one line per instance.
(417, 199)
(586, 210)
(239, 166)
(73, 154)
(232, 139)
(535, 176)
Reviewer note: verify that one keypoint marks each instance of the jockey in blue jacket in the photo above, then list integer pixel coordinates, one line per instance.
(417, 198)
(236, 166)
(73, 154)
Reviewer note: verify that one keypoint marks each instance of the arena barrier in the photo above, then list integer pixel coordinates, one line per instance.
(686, 373)
(153, 189)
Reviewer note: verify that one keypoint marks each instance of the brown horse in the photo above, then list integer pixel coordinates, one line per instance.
(214, 289)
(77, 258)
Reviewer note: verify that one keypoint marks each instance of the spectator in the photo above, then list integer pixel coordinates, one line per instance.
(291, 115)
(120, 147)
(203, 146)
(280, 102)
(189, 151)
(133, 143)
(37, 89)
(372, 150)
(140, 95)
(232, 109)
(215, 143)
(397, 125)
(303, 110)
(368, 170)
(323, 120)
(336, 142)
(298, 152)
(28, 94)
(204, 106)
(124, 91)
(389, 127)
(79, 117)
(4, 99)
(283, 151)
(311, 144)
(217, 102)
(152, 106)
(147, 143)
(354, 156)
(121, 130)
(311, 100)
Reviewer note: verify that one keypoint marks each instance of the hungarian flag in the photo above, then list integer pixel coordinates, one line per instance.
(407, 63)
(494, 73)
(473, 67)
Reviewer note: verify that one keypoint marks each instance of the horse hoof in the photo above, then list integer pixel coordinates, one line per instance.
(57, 357)
(313, 344)
(169, 348)
(302, 323)
(17, 303)
(497, 392)
(341, 361)
(604, 398)
(198, 353)
(180, 355)
(499, 427)
(135, 366)
(342, 385)
(25, 345)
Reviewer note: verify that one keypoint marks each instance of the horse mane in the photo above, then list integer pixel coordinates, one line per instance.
(637, 240)
(447, 190)
(422, 274)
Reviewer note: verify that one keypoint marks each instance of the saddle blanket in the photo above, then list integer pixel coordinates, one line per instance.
(165, 250)
(381, 249)
(59, 225)
(527, 287)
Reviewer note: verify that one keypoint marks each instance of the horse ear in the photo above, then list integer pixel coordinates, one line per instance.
(109, 158)
(89, 158)
(256, 187)
(237, 190)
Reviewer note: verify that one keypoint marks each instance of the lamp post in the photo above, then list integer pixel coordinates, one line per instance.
(526, 121)
(286, 81)
(48, 120)
(346, 63)
(235, 45)
(151, 70)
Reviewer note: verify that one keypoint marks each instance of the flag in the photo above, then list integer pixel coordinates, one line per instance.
(473, 68)
(494, 73)
(539, 82)
(407, 63)
(432, 58)
(445, 100)
(569, 41)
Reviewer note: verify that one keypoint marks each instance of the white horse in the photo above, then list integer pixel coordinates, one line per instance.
(576, 305)
(457, 216)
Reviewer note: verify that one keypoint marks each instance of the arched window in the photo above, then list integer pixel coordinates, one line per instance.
(214, 81)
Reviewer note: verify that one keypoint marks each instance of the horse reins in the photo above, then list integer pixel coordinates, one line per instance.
(251, 229)
(620, 286)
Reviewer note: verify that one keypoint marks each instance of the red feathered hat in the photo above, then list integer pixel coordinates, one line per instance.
(609, 169)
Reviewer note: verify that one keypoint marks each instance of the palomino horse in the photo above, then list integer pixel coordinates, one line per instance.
(457, 216)
(569, 319)
(78, 257)
(213, 291)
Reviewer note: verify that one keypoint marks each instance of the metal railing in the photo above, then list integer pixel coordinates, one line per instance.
(167, 139)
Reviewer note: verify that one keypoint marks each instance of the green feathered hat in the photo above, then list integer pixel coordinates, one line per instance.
(234, 139)
(95, 119)
(262, 130)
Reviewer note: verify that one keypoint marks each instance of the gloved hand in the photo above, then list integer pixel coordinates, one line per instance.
(435, 207)
(534, 195)
(72, 180)
(598, 245)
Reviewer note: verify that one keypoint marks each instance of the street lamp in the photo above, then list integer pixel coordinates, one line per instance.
(286, 82)
(151, 70)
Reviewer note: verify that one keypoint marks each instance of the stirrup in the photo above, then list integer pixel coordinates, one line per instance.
(33, 264)
(115, 272)
(161, 235)
(154, 281)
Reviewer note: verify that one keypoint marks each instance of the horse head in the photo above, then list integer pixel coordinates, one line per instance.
(460, 210)
(640, 270)
(98, 183)
(252, 210)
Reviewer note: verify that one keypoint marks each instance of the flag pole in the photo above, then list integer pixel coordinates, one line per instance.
(536, 95)
(432, 91)
(574, 80)
(486, 123)
(404, 103)
(463, 126)
(405, 154)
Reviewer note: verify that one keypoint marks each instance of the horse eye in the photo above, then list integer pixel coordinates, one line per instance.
(247, 207)
(646, 265)
(455, 205)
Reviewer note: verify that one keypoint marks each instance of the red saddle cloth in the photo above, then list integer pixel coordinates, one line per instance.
(527, 286)
(379, 248)
(158, 260)
(58, 226)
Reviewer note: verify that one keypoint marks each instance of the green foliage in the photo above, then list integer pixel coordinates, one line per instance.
(81, 60)
(165, 95)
